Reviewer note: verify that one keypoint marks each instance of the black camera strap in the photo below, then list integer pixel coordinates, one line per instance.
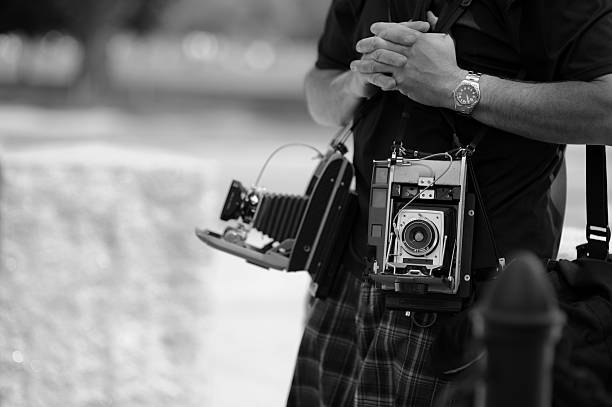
(597, 229)
(450, 14)
(485, 216)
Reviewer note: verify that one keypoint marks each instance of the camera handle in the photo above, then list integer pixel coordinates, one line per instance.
(319, 155)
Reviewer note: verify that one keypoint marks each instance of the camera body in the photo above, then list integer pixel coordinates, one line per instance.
(420, 227)
(302, 232)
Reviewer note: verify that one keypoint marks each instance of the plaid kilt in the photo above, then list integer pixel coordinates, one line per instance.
(355, 353)
(328, 362)
(394, 353)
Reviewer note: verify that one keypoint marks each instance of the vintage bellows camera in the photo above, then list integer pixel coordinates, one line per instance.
(420, 224)
(306, 232)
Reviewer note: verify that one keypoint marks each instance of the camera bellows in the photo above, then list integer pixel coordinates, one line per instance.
(279, 215)
(306, 231)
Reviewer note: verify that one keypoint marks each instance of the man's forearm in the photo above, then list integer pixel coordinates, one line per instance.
(560, 112)
(331, 96)
(575, 112)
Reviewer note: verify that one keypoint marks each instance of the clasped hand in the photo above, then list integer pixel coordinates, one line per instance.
(405, 57)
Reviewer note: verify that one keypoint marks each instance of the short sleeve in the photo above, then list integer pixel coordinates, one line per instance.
(565, 39)
(336, 47)
(590, 54)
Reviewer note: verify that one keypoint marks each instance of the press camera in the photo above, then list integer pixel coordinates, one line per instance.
(304, 232)
(421, 221)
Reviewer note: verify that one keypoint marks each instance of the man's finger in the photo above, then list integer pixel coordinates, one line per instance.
(396, 33)
(422, 26)
(382, 81)
(387, 57)
(370, 66)
(432, 19)
(371, 44)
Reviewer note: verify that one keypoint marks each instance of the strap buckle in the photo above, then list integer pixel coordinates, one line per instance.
(598, 233)
(597, 245)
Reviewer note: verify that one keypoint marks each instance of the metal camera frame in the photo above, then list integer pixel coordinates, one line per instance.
(431, 186)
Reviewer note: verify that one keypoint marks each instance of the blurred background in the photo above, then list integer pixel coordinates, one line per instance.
(122, 123)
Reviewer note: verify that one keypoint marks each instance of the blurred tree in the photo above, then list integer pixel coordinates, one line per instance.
(91, 22)
(292, 19)
(28, 16)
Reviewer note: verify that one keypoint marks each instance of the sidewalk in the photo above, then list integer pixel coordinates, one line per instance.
(254, 316)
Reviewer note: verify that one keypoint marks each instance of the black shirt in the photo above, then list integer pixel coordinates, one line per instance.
(536, 40)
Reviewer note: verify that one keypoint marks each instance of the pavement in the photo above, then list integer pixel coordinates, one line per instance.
(256, 315)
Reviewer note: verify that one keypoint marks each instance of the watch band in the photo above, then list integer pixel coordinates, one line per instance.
(473, 76)
(467, 94)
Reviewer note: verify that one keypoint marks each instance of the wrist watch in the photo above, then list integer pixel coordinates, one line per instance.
(467, 94)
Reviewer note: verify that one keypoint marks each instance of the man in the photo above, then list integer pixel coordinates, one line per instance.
(545, 77)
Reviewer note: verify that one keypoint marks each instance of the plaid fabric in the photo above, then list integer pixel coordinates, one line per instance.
(354, 353)
(394, 351)
(327, 362)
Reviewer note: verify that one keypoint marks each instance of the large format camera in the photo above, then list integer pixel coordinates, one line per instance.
(304, 232)
(420, 225)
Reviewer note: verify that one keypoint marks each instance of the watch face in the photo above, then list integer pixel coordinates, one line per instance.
(467, 95)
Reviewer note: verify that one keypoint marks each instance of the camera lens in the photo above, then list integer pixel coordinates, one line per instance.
(420, 237)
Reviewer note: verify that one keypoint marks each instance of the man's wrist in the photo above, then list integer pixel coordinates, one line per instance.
(449, 93)
(467, 94)
(356, 87)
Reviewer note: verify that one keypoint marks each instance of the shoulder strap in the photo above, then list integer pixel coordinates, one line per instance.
(597, 230)
(450, 14)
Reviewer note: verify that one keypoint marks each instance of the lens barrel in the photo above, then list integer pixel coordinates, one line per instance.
(420, 237)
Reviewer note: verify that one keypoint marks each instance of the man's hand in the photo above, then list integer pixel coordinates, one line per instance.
(430, 73)
(381, 58)
(566, 112)
(366, 84)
